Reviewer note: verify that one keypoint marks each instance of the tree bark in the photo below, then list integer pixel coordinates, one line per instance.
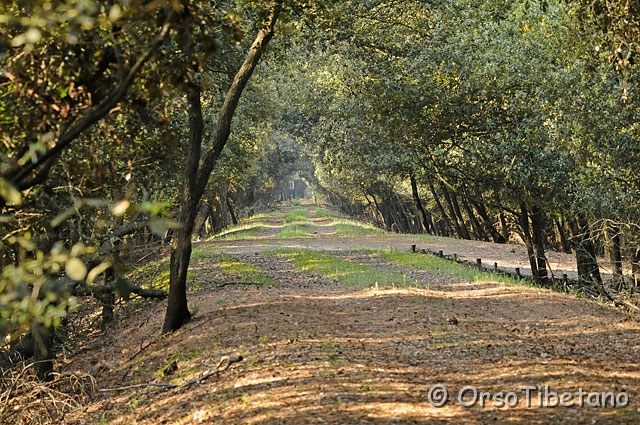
(232, 213)
(422, 213)
(177, 310)
(385, 223)
(456, 215)
(528, 240)
(586, 259)
(476, 227)
(197, 171)
(564, 240)
(504, 227)
(489, 223)
(223, 127)
(537, 230)
(615, 255)
(445, 217)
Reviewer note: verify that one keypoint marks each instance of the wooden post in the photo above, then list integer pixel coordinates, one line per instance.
(518, 271)
(440, 254)
(495, 267)
(479, 262)
(455, 257)
(413, 248)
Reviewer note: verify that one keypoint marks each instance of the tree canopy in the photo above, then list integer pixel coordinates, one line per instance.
(493, 120)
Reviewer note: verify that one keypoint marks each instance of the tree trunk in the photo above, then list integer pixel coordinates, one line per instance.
(445, 217)
(452, 199)
(537, 229)
(586, 259)
(177, 310)
(385, 223)
(452, 212)
(477, 229)
(196, 175)
(635, 267)
(564, 240)
(528, 240)
(615, 255)
(108, 297)
(402, 213)
(489, 224)
(374, 211)
(43, 351)
(422, 213)
(232, 213)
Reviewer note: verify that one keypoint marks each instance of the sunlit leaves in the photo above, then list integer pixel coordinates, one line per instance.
(75, 269)
(9, 192)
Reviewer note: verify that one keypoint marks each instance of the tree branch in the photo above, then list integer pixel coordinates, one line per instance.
(223, 127)
(224, 364)
(94, 115)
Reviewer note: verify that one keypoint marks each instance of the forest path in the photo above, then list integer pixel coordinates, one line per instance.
(321, 235)
(317, 350)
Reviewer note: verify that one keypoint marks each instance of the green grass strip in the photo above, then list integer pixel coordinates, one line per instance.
(242, 231)
(352, 228)
(440, 265)
(296, 229)
(342, 270)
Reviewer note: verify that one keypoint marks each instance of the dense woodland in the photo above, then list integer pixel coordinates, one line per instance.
(130, 127)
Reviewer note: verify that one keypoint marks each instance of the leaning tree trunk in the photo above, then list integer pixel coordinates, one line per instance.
(476, 227)
(461, 230)
(197, 173)
(452, 198)
(232, 213)
(445, 217)
(489, 224)
(422, 213)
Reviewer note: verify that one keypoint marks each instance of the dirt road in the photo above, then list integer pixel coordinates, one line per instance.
(319, 352)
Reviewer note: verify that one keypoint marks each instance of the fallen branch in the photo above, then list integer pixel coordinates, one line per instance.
(222, 285)
(110, 287)
(146, 293)
(224, 364)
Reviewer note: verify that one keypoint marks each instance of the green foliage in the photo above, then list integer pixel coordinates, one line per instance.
(35, 289)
